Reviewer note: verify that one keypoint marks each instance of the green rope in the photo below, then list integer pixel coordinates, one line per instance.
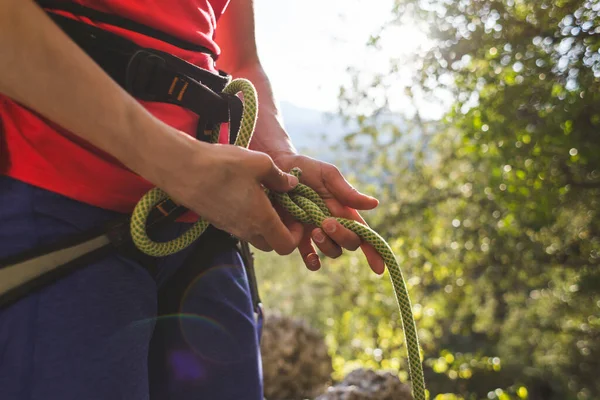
(306, 206)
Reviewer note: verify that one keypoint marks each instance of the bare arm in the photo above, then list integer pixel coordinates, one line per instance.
(236, 37)
(43, 69)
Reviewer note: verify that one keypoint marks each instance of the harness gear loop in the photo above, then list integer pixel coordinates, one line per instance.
(306, 206)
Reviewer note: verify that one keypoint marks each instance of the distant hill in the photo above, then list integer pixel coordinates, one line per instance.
(312, 131)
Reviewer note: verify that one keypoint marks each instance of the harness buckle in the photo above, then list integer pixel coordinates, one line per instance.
(142, 66)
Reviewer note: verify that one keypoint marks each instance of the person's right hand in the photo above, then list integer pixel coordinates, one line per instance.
(223, 184)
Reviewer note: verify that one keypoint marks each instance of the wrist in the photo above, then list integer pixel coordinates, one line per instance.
(270, 136)
(153, 149)
(283, 153)
(272, 143)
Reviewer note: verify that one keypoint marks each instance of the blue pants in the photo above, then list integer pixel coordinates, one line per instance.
(111, 330)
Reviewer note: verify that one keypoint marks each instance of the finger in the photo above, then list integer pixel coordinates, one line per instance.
(277, 235)
(325, 244)
(355, 215)
(308, 253)
(341, 235)
(345, 212)
(343, 191)
(373, 258)
(338, 209)
(272, 177)
(260, 243)
(294, 226)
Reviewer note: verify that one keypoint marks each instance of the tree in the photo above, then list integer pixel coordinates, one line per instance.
(493, 209)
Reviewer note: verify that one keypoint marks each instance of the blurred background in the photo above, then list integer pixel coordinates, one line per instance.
(477, 125)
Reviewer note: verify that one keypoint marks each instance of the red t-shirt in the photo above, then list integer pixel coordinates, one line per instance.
(40, 153)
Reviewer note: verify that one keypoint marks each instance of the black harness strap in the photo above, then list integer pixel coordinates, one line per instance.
(149, 74)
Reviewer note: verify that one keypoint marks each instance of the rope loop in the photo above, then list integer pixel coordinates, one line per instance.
(304, 204)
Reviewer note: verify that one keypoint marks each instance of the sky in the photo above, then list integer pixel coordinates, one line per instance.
(306, 46)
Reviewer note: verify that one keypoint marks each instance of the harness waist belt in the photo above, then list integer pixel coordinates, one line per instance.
(153, 75)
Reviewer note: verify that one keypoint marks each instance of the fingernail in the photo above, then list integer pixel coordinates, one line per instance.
(312, 260)
(329, 228)
(293, 181)
(318, 237)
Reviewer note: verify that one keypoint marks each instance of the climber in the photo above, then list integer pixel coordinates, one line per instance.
(79, 148)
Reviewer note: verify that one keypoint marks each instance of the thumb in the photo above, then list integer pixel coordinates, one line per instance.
(275, 179)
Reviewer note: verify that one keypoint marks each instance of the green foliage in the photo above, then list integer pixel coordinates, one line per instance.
(493, 210)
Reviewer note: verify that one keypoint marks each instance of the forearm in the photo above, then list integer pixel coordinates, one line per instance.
(270, 136)
(239, 57)
(42, 68)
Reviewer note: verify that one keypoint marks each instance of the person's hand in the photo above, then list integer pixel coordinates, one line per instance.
(342, 199)
(222, 184)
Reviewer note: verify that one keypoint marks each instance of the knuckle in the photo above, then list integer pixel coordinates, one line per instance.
(331, 250)
(353, 247)
(261, 245)
(354, 242)
(331, 170)
(285, 249)
(351, 240)
(337, 254)
(264, 161)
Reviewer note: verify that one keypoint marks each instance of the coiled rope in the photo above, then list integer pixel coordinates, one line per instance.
(306, 206)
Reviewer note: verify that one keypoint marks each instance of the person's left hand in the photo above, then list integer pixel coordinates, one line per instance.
(342, 199)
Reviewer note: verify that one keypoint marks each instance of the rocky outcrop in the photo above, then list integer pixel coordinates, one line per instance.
(364, 384)
(296, 364)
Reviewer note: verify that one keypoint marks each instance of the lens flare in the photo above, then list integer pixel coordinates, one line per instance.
(210, 322)
(211, 297)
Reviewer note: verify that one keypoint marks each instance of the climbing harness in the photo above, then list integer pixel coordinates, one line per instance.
(156, 76)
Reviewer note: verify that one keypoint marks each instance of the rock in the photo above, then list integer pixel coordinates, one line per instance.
(296, 363)
(365, 384)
